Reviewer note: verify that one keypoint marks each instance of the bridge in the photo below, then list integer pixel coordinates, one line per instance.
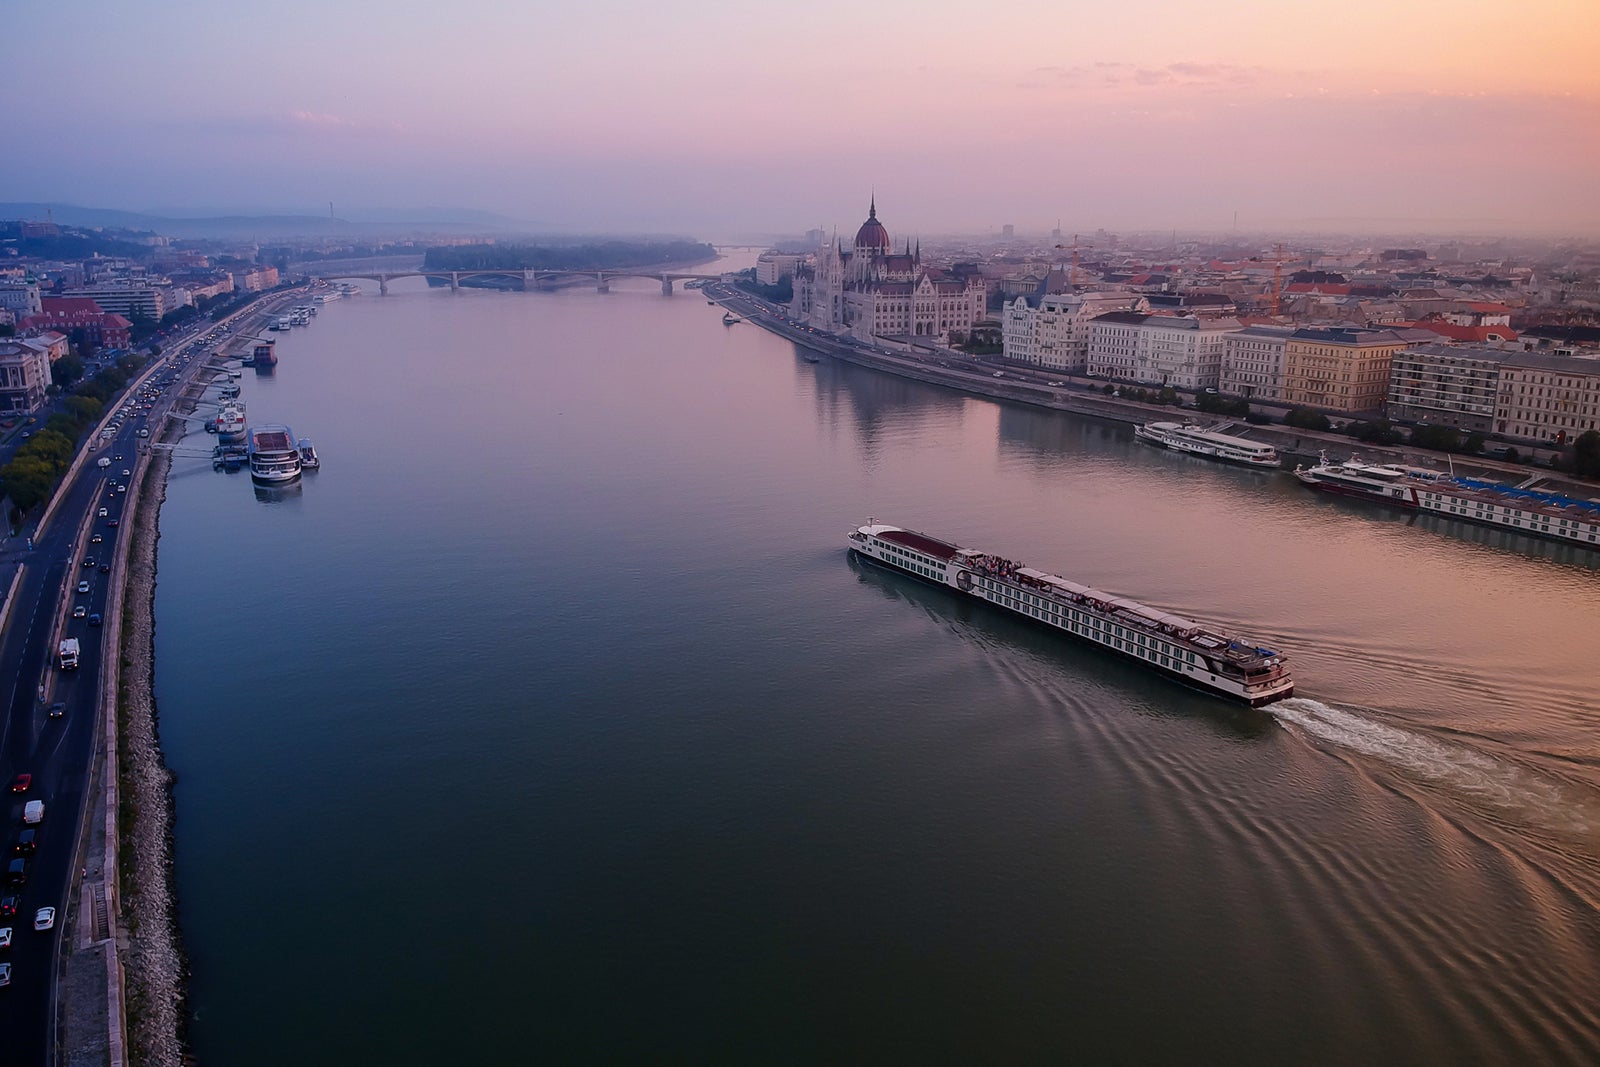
(531, 279)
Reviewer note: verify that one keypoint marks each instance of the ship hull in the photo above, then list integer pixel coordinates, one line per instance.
(968, 583)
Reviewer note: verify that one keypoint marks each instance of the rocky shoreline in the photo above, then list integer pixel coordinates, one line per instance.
(155, 966)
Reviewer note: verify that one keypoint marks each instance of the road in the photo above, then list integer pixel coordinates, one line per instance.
(57, 750)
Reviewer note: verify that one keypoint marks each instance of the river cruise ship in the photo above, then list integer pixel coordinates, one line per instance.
(274, 457)
(1186, 651)
(1212, 444)
(1522, 510)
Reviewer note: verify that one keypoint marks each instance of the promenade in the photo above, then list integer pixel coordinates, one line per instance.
(1081, 396)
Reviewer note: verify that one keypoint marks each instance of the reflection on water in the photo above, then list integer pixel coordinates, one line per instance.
(278, 494)
(566, 636)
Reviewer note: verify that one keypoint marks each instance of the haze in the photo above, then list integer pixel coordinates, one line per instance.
(714, 118)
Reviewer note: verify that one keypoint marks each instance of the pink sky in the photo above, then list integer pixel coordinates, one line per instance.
(719, 117)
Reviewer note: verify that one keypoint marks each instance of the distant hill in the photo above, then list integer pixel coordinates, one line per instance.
(262, 226)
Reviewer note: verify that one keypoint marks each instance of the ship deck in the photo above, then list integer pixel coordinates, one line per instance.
(931, 546)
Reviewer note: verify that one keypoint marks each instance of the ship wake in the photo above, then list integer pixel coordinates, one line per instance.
(1527, 795)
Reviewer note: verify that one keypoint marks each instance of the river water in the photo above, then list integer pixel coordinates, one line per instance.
(550, 721)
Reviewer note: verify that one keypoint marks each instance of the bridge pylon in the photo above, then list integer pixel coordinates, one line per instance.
(455, 281)
(383, 285)
(602, 284)
(666, 285)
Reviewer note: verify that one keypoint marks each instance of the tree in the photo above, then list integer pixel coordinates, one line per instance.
(1168, 395)
(66, 370)
(85, 408)
(1306, 419)
(1443, 438)
(1586, 454)
(27, 480)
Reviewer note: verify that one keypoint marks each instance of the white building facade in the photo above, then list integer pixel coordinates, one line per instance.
(1181, 351)
(1055, 333)
(24, 375)
(1252, 362)
(20, 297)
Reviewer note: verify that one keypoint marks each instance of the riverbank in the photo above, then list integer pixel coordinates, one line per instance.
(1293, 444)
(155, 964)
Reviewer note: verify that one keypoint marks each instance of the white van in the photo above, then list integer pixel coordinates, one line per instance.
(33, 812)
(103, 463)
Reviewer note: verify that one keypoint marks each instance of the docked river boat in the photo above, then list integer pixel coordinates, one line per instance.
(1519, 509)
(1188, 652)
(1210, 443)
(274, 456)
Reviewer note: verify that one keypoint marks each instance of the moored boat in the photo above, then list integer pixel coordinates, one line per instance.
(308, 454)
(1210, 443)
(274, 457)
(1536, 512)
(1189, 652)
(729, 318)
(231, 423)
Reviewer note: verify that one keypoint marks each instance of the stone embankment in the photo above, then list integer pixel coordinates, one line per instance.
(1295, 445)
(155, 964)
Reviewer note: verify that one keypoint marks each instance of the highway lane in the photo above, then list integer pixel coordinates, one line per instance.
(57, 751)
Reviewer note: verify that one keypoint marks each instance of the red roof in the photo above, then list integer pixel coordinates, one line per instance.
(1460, 333)
(79, 305)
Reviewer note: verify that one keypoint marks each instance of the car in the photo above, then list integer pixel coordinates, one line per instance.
(105, 568)
(999, 374)
(112, 523)
(104, 513)
(5, 975)
(17, 872)
(88, 561)
(58, 709)
(1056, 384)
(8, 905)
(117, 457)
(83, 587)
(27, 842)
(44, 919)
(79, 611)
(94, 620)
(126, 472)
(21, 782)
(96, 539)
(5, 938)
(122, 489)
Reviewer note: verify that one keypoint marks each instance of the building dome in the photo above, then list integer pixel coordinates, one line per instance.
(872, 237)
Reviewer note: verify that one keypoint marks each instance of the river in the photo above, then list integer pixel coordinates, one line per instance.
(550, 721)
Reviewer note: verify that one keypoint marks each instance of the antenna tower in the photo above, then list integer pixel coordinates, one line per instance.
(1277, 280)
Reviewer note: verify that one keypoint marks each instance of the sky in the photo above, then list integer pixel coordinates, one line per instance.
(715, 118)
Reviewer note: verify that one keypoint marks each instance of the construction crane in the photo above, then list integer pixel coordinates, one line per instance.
(1072, 276)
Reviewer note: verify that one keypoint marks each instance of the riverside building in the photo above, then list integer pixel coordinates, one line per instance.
(1052, 331)
(1177, 350)
(1547, 398)
(869, 291)
(1446, 385)
(1343, 369)
(1252, 362)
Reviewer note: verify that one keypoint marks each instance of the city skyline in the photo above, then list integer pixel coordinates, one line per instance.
(714, 119)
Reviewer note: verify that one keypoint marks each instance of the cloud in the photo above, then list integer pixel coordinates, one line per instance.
(1112, 74)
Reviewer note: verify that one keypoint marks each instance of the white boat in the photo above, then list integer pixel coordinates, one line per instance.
(308, 454)
(1188, 652)
(231, 422)
(1537, 512)
(274, 457)
(1210, 443)
(328, 297)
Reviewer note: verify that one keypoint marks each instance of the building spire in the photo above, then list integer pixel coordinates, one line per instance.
(872, 210)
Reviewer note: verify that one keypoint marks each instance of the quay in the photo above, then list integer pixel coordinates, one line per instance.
(1076, 395)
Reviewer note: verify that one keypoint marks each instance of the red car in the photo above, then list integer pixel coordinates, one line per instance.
(21, 782)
